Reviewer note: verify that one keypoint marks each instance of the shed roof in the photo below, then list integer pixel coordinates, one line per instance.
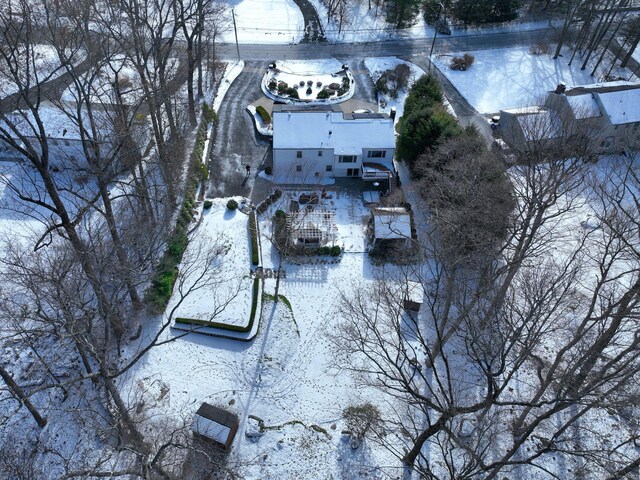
(389, 224)
(214, 423)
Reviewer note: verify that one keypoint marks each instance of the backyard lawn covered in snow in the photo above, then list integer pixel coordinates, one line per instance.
(287, 377)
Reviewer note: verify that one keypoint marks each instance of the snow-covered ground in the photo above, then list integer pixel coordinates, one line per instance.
(46, 65)
(103, 78)
(511, 77)
(265, 21)
(288, 372)
(221, 248)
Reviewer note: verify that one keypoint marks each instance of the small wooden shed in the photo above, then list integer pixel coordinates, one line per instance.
(391, 223)
(215, 425)
(413, 297)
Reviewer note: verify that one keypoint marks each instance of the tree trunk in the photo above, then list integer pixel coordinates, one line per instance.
(24, 399)
(410, 457)
(123, 262)
(633, 46)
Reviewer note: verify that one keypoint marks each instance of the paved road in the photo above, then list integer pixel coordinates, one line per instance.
(404, 47)
(237, 143)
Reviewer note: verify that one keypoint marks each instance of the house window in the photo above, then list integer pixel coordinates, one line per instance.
(299, 154)
(319, 153)
(376, 153)
(298, 168)
(329, 168)
(347, 159)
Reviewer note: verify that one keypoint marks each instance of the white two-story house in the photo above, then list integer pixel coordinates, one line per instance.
(313, 143)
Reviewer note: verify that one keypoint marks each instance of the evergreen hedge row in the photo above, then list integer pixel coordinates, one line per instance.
(159, 293)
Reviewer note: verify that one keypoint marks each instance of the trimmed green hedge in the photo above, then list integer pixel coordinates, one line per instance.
(224, 326)
(159, 293)
(253, 231)
(266, 118)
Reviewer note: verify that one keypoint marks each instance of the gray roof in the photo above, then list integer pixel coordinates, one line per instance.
(218, 415)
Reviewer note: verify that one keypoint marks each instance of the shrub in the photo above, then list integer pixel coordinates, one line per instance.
(266, 118)
(346, 82)
(333, 86)
(539, 48)
(424, 129)
(424, 93)
(253, 231)
(361, 419)
(462, 63)
(208, 113)
(282, 87)
(280, 213)
(232, 204)
(164, 277)
(381, 85)
(302, 83)
(273, 85)
(309, 91)
(336, 251)
(292, 92)
(323, 94)
(309, 83)
(268, 170)
(207, 204)
(341, 91)
(318, 84)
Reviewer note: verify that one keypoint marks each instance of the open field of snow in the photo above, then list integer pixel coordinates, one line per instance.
(511, 77)
(265, 21)
(46, 65)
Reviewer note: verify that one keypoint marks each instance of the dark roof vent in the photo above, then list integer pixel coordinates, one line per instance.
(393, 113)
(561, 88)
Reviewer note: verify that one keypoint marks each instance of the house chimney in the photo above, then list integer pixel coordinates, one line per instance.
(561, 88)
(393, 113)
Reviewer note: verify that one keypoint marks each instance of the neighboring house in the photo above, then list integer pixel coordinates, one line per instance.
(64, 140)
(611, 111)
(215, 425)
(311, 143)
(527, 125)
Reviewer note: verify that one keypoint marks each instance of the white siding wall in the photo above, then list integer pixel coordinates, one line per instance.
(285, 163)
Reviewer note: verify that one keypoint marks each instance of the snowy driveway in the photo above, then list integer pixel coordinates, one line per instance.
(236, 141)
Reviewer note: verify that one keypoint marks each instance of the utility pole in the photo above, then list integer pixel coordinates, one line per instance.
(435, 33)
(235, 30)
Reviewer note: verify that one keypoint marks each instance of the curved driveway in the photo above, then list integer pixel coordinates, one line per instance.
(236, 142)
